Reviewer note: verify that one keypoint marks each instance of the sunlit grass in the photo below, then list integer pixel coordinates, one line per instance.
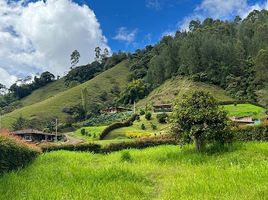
(166, 172)
(241, 110)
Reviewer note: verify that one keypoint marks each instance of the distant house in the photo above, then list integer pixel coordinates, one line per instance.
(243, 120)
(163, 108)
(33, 135)
(116, 110)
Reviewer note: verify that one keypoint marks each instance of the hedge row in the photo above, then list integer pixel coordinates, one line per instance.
(251, 133)
(89, 147)
(138, 144)
(117, 125)
(96, 148)
(15, 154)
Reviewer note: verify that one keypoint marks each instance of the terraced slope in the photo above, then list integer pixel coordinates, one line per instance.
(52, 107)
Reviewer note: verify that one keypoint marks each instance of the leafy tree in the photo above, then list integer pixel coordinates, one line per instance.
(97, 54)
(75, 58)
(198, 118)
(20, 123)
(261, 66)
(148, 116)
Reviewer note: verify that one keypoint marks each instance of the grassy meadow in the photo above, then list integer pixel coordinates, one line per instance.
(165, 172)
(242, 110)
(175, 87)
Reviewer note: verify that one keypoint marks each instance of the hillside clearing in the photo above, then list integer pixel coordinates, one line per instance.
(165, 173)
(175, 87)
(242, 110)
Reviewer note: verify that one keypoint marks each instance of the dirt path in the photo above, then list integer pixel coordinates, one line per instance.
(72, 140)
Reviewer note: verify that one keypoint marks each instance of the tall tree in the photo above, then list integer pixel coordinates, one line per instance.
(75, 58)
(97, 54)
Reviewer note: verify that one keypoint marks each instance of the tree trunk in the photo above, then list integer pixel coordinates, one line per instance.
(199, 144)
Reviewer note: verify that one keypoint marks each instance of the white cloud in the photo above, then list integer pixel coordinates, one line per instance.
(224, 10)
(6, 78)
(153, 4)
(125, 35)
(40, 36)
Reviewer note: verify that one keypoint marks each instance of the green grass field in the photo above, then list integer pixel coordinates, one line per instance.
(161, 173)
(45, 92)
(52, 107)
(241, 110)
(176, 87)
(92, 130)
(135, 130)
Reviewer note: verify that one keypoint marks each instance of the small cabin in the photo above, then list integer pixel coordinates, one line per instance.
(32, 135)
(243, 120)
(116, 110)
(163, 108)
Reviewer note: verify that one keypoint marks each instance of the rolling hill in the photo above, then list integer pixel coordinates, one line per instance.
(52, 107)
(175, 87)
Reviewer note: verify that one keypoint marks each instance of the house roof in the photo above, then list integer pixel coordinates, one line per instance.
(242, 119)
(31, 131)
(162, 105)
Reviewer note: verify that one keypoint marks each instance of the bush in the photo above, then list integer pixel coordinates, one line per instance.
(125, 156)
(139, 144)
(83, 131)
(162, 118)
(148, 116)
(154, 127)
(88, 147)
(117, 125)
(142, 112)
(15, 154)
(143, 127)
(251, 133)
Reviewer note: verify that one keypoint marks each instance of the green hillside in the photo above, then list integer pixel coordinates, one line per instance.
(45, 92)
(165, 172)
(171, 89)
(52, 107)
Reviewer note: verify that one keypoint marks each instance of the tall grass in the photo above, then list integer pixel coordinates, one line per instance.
(166, 172)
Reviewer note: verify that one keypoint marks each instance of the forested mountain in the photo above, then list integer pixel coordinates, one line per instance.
(230, 54)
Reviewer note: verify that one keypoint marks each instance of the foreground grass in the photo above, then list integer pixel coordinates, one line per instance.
(241, 110)
(165, 172)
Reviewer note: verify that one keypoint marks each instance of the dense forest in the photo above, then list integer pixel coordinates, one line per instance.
(230, 54)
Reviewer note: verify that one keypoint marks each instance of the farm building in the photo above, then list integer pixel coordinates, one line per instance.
(243, 120)
(116, 110)
(163, 108)
(33, 135)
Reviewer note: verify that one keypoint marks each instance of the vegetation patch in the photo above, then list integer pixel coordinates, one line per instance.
(242, 110)
(15, 154)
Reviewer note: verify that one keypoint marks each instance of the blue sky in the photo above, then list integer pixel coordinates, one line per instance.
(148, 19)
(38, 36)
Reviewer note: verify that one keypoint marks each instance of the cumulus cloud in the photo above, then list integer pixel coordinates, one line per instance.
(125, 35)
(40, 36)
(6, 78)
(224, 10)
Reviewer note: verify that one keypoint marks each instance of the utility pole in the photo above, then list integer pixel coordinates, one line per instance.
(56, 140)
(134, 107)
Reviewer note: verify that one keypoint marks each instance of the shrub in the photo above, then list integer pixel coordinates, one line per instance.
(142, 112)
(143, 127)
(139, 144)
(83, 131)
(15, 154)
(154, 127)
(162, 118)
(251, 133)
(148, 116)
(89, 147)
(125, 156)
